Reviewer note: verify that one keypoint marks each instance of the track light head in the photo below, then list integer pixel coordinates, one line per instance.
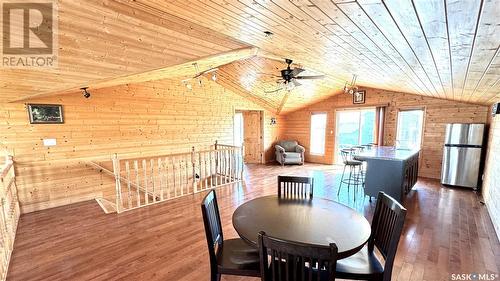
(86, 94)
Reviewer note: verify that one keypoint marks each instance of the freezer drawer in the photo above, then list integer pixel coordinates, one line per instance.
(466, 134)
(461, 166)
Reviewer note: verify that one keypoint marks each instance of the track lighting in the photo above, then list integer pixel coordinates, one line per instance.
(214, 76)
(351, 88)
(85, 93)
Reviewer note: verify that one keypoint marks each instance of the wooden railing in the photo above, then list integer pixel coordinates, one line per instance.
(9, 214)
(141, 182)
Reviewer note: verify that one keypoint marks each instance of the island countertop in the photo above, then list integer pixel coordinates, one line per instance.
(386, 153)
(391, 170)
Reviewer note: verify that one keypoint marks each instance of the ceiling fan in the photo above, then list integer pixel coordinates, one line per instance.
(289, 76)
(198, 76)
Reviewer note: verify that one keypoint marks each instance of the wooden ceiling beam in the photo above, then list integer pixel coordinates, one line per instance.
(181, 70)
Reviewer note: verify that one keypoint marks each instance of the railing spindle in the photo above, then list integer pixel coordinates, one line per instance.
(145, 173)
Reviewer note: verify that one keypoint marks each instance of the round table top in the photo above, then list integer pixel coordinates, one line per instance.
(317, 221)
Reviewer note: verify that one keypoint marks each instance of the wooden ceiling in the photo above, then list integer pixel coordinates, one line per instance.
(440, 48)
(255, 77)
(104, 40)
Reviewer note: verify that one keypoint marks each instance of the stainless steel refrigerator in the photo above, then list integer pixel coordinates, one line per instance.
(462, 154)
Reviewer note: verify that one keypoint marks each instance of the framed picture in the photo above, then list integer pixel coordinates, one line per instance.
(358, 97)
(45, 113)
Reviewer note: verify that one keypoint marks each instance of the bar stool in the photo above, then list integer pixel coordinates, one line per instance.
(356, 177)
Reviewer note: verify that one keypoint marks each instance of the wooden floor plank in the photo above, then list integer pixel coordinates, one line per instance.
(447, 231)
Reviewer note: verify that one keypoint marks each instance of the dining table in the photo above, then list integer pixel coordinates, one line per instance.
(317, 221)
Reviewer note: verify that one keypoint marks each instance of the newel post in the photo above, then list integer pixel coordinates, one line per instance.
(116, 171)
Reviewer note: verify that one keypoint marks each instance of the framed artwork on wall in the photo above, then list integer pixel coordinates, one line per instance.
(358, 97)
(45, 113)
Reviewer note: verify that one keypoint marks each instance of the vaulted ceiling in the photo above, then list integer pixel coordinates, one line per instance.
(440, 48)
(256, 78)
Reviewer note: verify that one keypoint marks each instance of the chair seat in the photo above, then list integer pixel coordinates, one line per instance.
(362, 265)
(353, 162)
(297, 155)
(238, 258)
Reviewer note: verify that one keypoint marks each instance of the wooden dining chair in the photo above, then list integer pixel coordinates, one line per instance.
(282, 260)
(295, 187)
(387, 226)
(231, 256)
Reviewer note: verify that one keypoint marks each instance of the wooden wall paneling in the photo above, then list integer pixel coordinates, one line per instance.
(133, 120)
(438, 112)
(490, 188)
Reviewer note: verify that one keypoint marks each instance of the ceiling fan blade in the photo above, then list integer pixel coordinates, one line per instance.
(268, 74)
(297, 70)
(295, 83)
(310, 77)
(205, 72)
(273, 91)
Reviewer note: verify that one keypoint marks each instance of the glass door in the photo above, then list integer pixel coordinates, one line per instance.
(354, 127)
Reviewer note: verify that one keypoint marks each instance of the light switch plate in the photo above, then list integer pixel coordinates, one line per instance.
(49, 142)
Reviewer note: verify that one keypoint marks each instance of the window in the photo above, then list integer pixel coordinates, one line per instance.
(354, 127)
(409, 133)
(318, 133)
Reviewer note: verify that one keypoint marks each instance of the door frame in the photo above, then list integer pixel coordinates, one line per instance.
(411, 108)
(261, 123)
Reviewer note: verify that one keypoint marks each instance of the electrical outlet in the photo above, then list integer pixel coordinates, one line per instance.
(49, 142)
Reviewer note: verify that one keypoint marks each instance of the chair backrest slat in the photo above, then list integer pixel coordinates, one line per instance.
(387, 225)
(213, 227)
(282, 260)
(295, 187)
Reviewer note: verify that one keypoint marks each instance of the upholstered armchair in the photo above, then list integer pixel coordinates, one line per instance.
(289, 152)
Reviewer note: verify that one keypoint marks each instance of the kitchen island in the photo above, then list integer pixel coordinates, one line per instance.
(390, 169)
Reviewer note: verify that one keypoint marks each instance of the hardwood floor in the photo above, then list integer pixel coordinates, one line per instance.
(447, 231)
